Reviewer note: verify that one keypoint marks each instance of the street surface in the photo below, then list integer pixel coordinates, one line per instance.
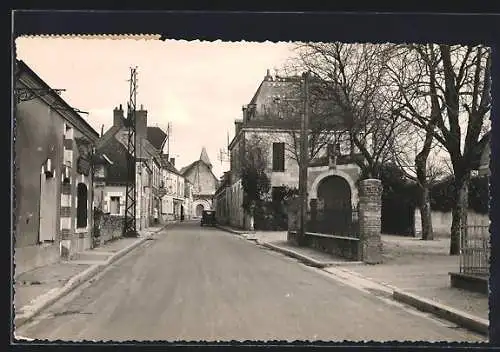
(199, 283)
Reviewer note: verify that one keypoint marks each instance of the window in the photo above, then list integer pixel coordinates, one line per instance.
(114, 207)
(81, 206)
(278, 156)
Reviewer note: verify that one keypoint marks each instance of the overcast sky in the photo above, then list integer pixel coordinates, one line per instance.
(198, 86)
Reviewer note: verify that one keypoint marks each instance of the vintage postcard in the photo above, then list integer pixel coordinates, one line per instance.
(194, 190)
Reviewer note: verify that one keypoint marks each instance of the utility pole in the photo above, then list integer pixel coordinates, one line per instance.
(129, 224)
(304, 159)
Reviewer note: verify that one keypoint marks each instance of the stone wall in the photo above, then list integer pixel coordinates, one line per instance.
(111, 227)
(367, 247)
(441, 221)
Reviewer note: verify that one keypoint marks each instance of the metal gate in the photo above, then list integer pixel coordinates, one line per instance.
(332, 213)
(475, 250)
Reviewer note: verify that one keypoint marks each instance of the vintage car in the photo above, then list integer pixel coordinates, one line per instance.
(208, 218)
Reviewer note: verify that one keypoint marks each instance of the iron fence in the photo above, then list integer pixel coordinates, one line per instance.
(475, 250)
(341, 221)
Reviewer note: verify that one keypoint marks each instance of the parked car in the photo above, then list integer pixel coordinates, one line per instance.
(208, 218)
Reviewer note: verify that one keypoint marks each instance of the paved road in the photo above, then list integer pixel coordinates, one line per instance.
(195, 283)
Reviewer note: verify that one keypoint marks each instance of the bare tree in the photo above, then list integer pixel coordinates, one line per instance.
(353, 78)
(457, 83)
(414, 77)
(255, 181)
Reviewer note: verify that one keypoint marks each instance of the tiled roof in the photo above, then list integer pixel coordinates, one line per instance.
(166, 164)
(157, 137)
(117, 153)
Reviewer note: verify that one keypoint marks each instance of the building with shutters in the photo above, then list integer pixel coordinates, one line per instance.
(175, 195)
(52, 174)
(203, 183)
(272, 118)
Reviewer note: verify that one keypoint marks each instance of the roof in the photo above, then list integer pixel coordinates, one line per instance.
(157, 137)
(116, 151)
(204, 157)
(185, 169)
(110, 133)
(23, 67)
(166, 164)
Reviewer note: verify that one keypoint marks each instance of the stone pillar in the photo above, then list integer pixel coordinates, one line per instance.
(370, 206)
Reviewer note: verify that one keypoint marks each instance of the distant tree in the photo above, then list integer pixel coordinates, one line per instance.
(255, 182)
(458, 81)
(414, 76)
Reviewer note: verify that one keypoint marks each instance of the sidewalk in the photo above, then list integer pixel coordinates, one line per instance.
(415, 272)
(39, 288)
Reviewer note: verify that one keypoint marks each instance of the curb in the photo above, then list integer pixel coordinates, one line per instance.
(54, 295)
(296, 255)
(450, 314)
(456, 316)
(227, 229)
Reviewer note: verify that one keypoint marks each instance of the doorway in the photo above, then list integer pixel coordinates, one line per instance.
(199, 210)
(48, 208)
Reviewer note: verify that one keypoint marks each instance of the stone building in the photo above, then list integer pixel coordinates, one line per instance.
(204, 183)
(272, 120)
(174, 191)
(148, 169)
(222, 200)
(52, 174)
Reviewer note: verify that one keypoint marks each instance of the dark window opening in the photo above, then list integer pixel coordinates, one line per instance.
(81, 207)
(278, 156)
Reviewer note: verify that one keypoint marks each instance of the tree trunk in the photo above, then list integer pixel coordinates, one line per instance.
(459, 215)
(425, 214)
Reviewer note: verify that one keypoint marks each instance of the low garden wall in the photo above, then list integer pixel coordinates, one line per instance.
(345, 247)
(111, 227)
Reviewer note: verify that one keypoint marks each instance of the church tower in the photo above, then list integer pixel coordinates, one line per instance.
(204, 157)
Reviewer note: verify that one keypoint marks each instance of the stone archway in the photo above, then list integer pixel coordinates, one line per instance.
(313, 193)
(199, 210)
(199, 205)
(332, 198)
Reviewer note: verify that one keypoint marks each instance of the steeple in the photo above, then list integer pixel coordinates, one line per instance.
(204, 157)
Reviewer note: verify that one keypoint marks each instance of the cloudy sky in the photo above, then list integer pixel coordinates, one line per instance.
(197, 86)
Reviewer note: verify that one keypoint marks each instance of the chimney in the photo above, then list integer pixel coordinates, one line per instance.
(141, 123)
(237, 126)
(268, 76)
(118, 116)
(172, 161)
(244, 109)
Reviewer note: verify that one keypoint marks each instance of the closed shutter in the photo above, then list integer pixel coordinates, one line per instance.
(278, 156)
